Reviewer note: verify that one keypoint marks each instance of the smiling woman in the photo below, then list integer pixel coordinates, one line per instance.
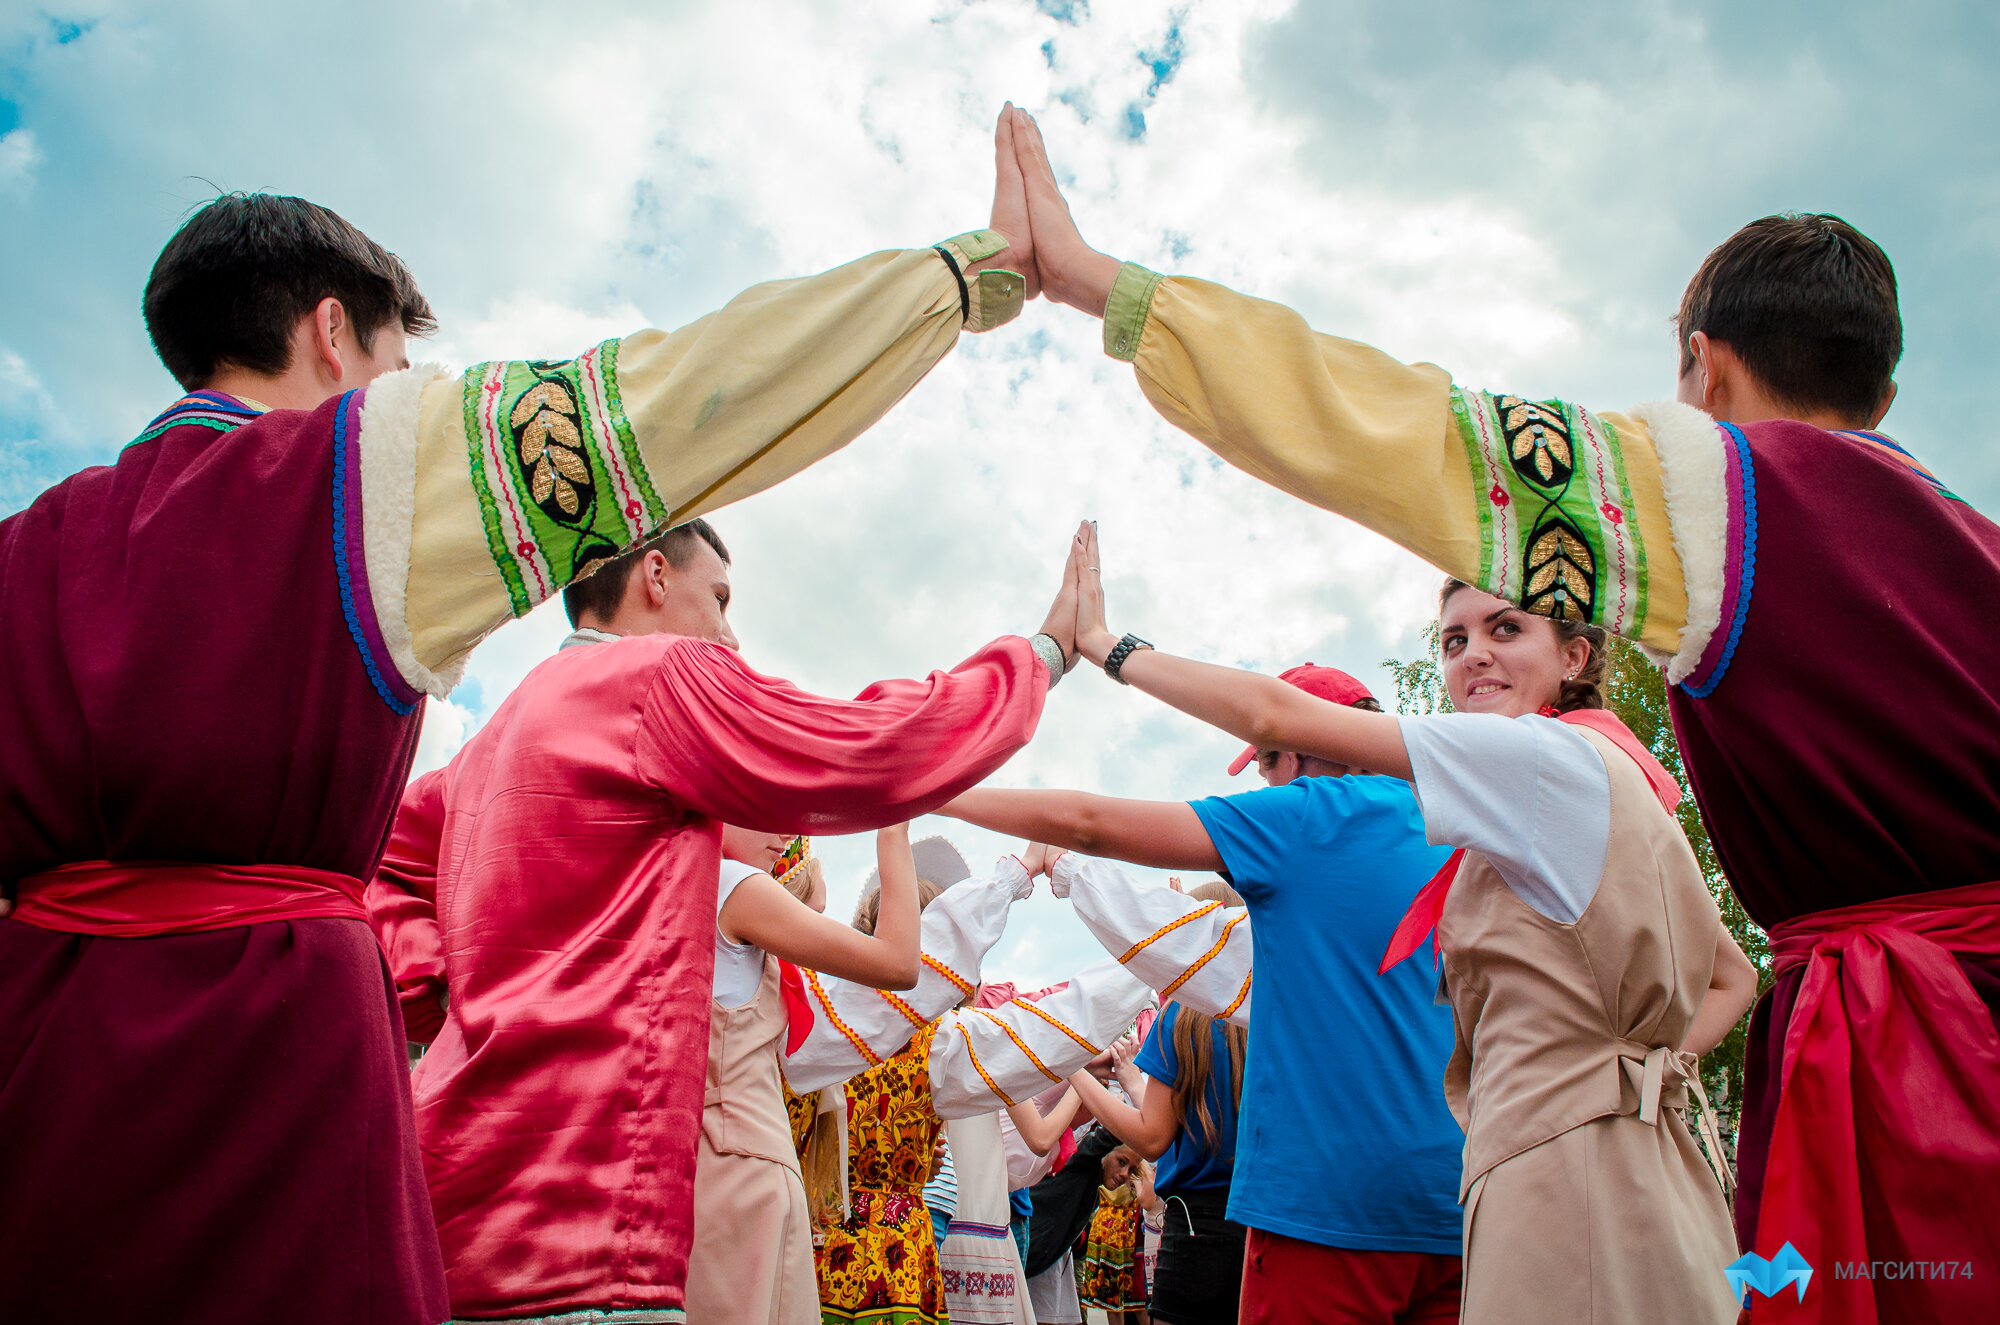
(1571, 879)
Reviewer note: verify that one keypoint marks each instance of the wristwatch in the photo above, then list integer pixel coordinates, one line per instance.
(1114, 662)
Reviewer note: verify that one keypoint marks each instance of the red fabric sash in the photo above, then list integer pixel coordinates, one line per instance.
(1891, 1069)
(1421, 920)
(144, 899)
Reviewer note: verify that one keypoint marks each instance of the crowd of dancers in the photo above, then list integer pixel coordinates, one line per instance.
(660, 1084)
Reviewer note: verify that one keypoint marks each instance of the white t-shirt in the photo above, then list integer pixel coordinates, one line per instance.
(1530, 794)
(739, 967)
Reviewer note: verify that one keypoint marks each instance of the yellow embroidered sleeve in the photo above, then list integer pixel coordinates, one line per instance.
(487, 492)
(1556, 507)
(987, 1058)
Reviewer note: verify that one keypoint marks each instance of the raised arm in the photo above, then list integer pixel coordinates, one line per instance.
(855, 1027)
(1196, 953)
(1619, 518)
(985, 1059)
(1164, 834)
(761, 913)
(402, 908)
(477, 496)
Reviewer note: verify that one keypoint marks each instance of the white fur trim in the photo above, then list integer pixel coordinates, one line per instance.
(1693, 476)
(389, 416)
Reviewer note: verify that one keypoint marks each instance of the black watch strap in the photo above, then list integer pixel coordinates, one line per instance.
(1114, 662)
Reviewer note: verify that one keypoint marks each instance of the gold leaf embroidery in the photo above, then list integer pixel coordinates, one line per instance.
(565, 495)
(570, 464)
(1562, 573)
(543, 395)
(1538, 439)
(542, 480)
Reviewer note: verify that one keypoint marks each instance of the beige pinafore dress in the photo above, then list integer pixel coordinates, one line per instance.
(1587, 1201)
(752, 1259)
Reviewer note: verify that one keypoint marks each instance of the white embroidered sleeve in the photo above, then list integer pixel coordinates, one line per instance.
(486, 492)
(1196, 953)
(855, 1027)
(987, 1058)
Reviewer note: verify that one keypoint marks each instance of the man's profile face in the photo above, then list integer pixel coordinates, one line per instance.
(695, 597)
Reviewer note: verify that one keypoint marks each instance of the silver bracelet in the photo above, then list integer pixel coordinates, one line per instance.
(1051, 655)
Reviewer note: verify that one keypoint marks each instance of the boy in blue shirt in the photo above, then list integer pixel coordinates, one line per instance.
(1347, 1159)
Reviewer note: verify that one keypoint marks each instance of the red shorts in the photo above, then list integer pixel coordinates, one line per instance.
(1289, 1282)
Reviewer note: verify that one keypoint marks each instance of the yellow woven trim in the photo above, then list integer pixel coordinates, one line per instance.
(991, 1084)
(1023, 1003)
(1206, 958)
(1165, 930)
(1020, 1044)
(860, 1045)
(1230, 1011)
(908, 1012)
(964, 986)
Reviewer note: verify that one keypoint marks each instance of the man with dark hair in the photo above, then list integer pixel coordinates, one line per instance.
(597, 597)
(215, 652)
(558, 878)
(1821, 604)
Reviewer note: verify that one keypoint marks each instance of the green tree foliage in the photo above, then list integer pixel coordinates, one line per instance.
(1637, 693)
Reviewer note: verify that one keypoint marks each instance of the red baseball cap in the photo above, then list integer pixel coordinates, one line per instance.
(1328, 683)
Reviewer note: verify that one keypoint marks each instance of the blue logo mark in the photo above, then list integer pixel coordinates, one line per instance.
(1769, 1278)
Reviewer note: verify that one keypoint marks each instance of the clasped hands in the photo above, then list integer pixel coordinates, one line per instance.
(1030, 213)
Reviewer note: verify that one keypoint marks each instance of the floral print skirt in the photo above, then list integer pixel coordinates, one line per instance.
(1106, 1277)
(880, 1264)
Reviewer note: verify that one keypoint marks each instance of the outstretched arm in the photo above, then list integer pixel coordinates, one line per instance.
(1541, 502)
(1040, 1131)
(1196, 953)
(472, 498)
(1164, 834)
(761, 913)
(855, 1027)
(1148, 1129)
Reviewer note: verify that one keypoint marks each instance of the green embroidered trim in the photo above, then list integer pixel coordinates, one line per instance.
(1640, 581)
(1557, 527)
(635, 463)
(1468, 436)
(1127, 308)
(489, 508)
(217, 424)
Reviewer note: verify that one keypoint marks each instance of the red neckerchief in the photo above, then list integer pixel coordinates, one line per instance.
(1421, 920)
(798, 1007)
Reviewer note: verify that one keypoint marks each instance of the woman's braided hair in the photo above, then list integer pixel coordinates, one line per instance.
(1586, 689)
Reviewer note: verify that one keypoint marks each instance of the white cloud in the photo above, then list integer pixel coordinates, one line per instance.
(19, 156)
(1514, 195)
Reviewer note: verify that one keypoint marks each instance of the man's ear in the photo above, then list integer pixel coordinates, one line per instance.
(1706, 369)
(329, 320)
(653, 574)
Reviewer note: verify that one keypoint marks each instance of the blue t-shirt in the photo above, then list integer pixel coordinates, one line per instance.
(1190, 1166)
(1344, 1138)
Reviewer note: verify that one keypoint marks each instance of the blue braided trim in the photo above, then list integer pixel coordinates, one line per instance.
(398, 706)
(1749, 577)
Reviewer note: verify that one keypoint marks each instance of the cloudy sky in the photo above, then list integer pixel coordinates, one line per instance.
(1517, 192)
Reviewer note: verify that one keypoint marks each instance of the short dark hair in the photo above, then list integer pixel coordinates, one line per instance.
(601, 587)
(1809, 304)
(235, 279)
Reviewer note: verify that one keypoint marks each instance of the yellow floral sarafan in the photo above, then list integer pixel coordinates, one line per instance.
(880, 1264)
(1104, 1277)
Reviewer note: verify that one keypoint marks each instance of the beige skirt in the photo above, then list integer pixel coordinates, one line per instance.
(1616, 1222)
(752, 1260)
